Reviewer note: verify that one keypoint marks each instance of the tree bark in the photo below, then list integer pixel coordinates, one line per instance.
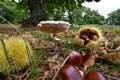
(37, 14)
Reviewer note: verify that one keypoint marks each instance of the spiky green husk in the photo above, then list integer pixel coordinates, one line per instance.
(91, 29)
(17, 54)
(80, 42)
(92, 44)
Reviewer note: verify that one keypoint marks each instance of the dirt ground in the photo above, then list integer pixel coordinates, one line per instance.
(5, 28)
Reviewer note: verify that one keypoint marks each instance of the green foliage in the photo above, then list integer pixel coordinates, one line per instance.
(12, 11)
(34, 66)
(113, 17)
(92, 17)
(67, 10)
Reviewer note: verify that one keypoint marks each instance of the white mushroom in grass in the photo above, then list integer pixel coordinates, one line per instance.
(54, 27)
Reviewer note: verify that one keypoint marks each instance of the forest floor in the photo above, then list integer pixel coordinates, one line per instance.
(47, 63)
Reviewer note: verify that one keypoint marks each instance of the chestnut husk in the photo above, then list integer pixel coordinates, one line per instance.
(88, 37)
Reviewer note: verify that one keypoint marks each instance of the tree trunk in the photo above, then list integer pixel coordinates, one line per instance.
(37, 14)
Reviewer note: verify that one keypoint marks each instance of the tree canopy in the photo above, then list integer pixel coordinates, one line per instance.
(13, 11)
(114, 17)
(38, 10)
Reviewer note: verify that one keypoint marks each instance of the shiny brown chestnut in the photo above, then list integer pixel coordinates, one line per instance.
(85, 38)
(75, 59)
(69, 72)
(93, 37)
(95, 75)
(88, 60)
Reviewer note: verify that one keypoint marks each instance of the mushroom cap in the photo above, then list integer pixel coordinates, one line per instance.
(53, 26)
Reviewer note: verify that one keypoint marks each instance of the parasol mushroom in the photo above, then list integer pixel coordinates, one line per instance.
(54, 27)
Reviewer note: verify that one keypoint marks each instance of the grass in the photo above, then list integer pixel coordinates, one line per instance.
(102, 27)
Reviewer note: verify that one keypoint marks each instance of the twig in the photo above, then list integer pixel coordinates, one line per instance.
(23, 75)
(108, 77)
(115, 78)
(10, 23)
(60, 68)
(20, 77)
(36, 49)
(13, 76)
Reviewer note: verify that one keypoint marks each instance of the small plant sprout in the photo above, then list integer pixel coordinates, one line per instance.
(54, 27)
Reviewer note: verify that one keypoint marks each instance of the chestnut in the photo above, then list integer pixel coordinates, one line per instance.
(95, 75)
(88, 60)
(75, 59)
(69, 72)
(85, 38)
(93, 37)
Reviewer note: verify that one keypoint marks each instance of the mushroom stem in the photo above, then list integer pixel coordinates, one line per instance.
(55, 50)
(56, 42)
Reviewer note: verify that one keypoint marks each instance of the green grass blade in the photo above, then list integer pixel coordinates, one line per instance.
(6, 54)
(28, 51)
